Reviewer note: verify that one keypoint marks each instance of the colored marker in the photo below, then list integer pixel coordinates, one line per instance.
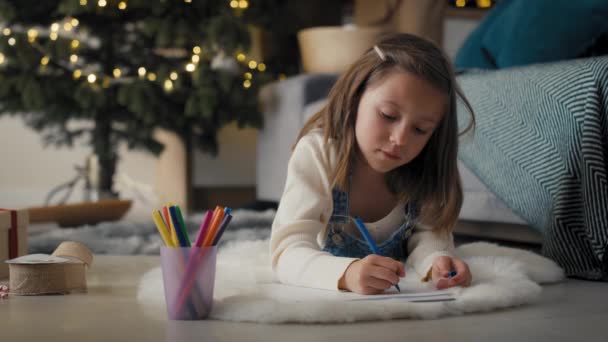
(223, 226)
(183, 241)
(370, 242)
(162, 228)
(170, 225)
(182, 224)
(218, 216)
(202, 231)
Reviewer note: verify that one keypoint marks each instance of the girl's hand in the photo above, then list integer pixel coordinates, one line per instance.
(372, 274)
(441, 269)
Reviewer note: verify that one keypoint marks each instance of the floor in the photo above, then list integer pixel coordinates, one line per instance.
(571, 311)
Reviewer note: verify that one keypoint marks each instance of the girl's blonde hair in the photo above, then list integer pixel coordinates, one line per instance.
(431, 179)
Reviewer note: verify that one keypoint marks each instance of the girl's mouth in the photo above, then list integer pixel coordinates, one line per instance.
(390, 155)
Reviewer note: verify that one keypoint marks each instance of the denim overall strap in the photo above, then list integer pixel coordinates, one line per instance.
(340, 242)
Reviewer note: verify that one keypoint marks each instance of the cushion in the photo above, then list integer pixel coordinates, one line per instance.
(526, 32)
(520, 32)
(472, 54)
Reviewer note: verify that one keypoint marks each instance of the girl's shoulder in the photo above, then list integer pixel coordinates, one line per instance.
(313, 139)
(314, 135)
(313, 144)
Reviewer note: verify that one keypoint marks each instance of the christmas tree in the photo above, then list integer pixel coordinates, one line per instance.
(107, 72)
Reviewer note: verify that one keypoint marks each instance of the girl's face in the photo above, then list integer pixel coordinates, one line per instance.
(396, 118)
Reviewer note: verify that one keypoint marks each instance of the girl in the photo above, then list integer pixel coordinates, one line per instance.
(383, 148)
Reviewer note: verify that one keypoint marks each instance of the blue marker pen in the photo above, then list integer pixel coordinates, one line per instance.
(372, 245)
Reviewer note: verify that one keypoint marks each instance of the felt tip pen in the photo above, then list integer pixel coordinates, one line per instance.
(370, 241)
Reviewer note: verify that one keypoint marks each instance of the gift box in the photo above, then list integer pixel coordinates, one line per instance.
(13, 236)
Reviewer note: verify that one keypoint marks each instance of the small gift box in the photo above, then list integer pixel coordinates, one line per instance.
(13, 236)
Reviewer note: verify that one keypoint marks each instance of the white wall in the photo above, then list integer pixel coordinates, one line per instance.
(28, 171)
(235, 162)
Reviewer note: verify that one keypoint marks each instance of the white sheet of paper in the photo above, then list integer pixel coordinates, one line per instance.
(409, 297)
(417, 296)
(297, 294)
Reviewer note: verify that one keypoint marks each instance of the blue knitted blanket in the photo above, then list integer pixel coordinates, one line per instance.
(541, 145)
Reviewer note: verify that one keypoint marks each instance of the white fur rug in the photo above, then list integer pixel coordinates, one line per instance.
(247, 290)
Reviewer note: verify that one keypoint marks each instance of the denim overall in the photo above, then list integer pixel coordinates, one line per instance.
(340, 242)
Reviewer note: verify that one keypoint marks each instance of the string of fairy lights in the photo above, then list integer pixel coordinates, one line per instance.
(78, 68)
(478, 3)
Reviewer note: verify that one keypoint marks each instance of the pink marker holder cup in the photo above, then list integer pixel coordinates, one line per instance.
(189, 279)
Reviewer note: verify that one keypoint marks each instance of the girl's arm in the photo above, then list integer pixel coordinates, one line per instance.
(304, 210)
(425, 245)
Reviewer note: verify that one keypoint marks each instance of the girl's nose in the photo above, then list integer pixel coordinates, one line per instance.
(399, 136)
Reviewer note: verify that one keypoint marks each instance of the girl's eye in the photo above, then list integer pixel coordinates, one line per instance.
(387, 116)
(420, 131)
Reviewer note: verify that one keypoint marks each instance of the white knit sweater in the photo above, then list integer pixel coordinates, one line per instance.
(299, 228)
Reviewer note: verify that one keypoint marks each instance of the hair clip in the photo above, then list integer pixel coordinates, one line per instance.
(380, 53)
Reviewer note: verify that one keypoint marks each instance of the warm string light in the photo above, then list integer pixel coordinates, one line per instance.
(102, 3)
(168, 84)
(32, 34)
(484, 3)
(122, 5)
(116, 72)
(239, 4)
(253, 65)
